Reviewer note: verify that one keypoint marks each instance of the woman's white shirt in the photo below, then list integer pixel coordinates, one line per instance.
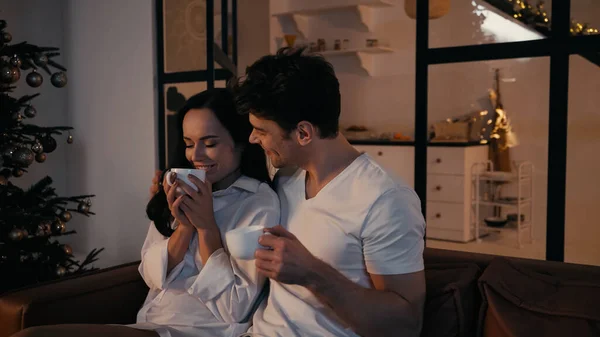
(213, 298)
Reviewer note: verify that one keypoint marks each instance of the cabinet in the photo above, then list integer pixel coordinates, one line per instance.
(397, 159)
(449, 188)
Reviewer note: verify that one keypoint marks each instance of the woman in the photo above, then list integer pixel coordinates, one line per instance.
(196, 288)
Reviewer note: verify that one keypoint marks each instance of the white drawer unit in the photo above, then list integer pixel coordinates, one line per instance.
(398, 159)
(449, 188)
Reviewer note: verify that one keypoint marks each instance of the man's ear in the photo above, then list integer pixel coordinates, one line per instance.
(305, 133)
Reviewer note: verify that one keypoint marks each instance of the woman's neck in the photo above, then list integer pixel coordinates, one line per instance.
(227, 181)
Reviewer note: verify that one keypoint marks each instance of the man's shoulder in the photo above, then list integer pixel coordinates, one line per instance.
(377, 178)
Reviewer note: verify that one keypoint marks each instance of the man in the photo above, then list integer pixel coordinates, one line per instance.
(347, 259)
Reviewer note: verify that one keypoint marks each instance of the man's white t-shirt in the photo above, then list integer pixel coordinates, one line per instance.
(364, 221)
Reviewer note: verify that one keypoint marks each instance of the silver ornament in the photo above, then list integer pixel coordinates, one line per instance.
(23, 157)
(83, 207)
(34, 79)
(59, 79)
(30, 111)
(37, 148)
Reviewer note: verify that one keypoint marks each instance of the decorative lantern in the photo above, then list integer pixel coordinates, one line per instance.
(437, 8)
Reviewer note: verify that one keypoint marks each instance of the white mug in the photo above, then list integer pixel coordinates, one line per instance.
(182, 174)
(243, 242)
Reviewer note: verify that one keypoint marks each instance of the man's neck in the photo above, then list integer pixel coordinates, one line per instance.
(328, 159)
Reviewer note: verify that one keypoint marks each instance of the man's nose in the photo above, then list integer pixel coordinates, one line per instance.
(253, 139)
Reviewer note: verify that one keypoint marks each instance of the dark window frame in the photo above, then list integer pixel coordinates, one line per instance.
(210, 75)
(558, 46)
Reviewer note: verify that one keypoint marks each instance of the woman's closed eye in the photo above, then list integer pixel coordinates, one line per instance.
(211, 144)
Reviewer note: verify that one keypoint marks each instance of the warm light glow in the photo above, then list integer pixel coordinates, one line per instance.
(501, 29)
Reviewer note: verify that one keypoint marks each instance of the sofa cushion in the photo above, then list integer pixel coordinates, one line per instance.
(519, 302)
(452, 298)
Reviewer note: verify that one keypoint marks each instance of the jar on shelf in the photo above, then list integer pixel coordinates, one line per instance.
(321, 45)
(345, 44)
(337, 45)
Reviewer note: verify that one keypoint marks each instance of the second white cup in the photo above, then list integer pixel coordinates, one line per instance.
(243, 242)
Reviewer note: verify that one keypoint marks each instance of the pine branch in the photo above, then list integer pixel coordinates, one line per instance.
(91, 258)
(26, 98)
(56, 65)
(24, 48)
(40, 186)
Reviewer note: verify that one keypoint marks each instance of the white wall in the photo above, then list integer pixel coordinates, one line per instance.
(386, 102)
(253, 32)
(111, 104)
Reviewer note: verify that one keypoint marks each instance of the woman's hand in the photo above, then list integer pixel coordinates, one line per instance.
(197, 206)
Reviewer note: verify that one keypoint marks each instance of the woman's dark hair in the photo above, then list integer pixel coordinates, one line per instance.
(290, 87)
(253, 162)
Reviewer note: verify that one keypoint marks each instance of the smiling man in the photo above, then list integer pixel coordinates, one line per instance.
(348, 258)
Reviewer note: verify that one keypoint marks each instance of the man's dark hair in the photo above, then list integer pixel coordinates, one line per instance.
(290, 87)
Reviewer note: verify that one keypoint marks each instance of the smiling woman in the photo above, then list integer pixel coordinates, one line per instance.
(211, 135)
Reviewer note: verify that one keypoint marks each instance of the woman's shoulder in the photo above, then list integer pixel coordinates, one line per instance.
(263, 195)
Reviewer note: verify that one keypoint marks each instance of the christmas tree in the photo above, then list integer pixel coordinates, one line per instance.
(30, 219)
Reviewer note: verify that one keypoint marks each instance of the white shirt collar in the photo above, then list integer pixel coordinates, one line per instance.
(244, 183)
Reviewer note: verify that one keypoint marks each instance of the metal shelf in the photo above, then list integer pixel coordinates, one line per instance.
(482, 174)
(502, 204)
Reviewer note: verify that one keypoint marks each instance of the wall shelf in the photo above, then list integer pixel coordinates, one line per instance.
(367, 50)
(365, 9)
(324, 9)
(366, 56)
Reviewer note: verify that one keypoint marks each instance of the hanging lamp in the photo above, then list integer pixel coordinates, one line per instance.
(437, 8)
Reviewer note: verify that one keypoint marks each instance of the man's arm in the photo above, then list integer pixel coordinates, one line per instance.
(392, 240)
(393, 308)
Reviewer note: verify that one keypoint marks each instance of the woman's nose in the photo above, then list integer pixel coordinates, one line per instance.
(199, 153)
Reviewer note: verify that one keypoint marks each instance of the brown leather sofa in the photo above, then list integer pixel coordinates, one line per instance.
(467, 295)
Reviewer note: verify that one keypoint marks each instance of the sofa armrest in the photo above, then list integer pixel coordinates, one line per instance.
(108, 296)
